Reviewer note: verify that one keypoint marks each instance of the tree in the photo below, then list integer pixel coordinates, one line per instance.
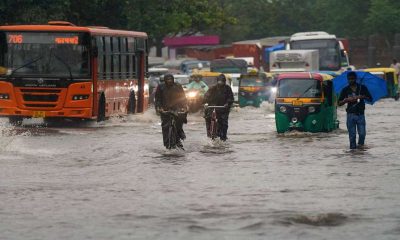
(160, 18)
(383, 18)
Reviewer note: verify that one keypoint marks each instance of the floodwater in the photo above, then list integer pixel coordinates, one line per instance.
(116, 181)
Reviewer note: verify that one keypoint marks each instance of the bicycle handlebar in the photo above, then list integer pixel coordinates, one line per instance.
(173, 112)
(214, 106)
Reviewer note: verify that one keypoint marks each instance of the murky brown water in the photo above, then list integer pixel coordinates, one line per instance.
(115, 181)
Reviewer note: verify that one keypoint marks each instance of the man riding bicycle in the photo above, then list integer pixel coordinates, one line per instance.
(170, 96)
(219, 95)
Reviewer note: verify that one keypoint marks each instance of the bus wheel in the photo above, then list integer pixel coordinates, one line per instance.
(132, 103)
(15, 121)
(101, 113)
(52, 120)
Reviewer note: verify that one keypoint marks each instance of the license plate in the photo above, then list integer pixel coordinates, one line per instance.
(297, 103)
(39, 114)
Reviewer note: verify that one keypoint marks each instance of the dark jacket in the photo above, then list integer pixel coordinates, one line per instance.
(170, 97)
(355, 107)
(219, 96)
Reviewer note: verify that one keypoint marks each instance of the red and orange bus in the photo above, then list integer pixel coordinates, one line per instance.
(61, 70)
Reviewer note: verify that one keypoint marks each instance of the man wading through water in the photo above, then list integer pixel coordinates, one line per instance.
(355, 95)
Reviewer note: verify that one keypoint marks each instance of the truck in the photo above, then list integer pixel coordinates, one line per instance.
(294, 61)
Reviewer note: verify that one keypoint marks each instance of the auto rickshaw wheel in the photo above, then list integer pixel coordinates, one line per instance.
(396, 98)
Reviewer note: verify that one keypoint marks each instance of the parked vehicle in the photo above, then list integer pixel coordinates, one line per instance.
(305, 102)
(392, 81)
(294, 61)
(253, 89)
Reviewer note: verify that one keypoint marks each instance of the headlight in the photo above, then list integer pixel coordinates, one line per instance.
(192, 94)
(311, 109)
(282, 109)
(80, 97)
(274, 89)
(4, 96)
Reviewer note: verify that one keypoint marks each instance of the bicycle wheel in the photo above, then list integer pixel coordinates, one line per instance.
(172, 134)
(213, 129)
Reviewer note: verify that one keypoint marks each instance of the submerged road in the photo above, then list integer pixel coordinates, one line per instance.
(116, 181)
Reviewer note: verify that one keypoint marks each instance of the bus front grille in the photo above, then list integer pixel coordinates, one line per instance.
(40, 98)
(41, 105)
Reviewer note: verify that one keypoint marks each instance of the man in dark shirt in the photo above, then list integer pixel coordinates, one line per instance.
(355, 95)
(170, 96)
(219, 95)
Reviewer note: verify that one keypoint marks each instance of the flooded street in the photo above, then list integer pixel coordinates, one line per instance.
(116, 181)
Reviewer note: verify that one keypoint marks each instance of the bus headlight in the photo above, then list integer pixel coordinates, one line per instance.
(80, 97)
(282, 109)
(311, 109)
(4, 96)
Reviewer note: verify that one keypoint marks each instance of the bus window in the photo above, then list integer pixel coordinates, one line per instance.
(132, 59)
(123, 58)
(108, 55)
(115, 57)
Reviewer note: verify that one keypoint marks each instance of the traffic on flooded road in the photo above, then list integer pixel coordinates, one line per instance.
(116, 180)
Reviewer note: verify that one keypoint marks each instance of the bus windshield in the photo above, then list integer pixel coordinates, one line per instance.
(329, 52)
(45, 54)
(299, 88)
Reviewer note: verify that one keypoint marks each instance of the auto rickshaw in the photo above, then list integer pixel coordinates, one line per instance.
(392, 81)
(253, 89)
(305, 102)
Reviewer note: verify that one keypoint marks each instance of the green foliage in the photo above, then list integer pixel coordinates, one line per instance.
(233, 20)
(384, 17)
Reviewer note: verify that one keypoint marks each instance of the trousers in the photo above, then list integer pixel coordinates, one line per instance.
(356, 123)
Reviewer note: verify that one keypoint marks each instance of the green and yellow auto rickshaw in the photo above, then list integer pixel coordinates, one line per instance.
(391, 78)
(305, 102)
(253, 89)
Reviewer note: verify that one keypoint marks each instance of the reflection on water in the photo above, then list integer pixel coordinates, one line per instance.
(115, 180)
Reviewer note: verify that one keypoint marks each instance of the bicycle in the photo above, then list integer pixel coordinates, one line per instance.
(212, 131)
(173, 138)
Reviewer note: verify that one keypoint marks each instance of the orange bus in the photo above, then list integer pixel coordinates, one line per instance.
(61, 70)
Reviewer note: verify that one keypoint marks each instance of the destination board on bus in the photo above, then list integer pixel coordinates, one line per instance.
(43, 38)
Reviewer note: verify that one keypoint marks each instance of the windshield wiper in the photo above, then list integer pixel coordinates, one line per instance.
(65, 64)
(308, 89)
(25, 65)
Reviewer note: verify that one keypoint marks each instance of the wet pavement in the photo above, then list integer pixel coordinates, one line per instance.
(116, 181)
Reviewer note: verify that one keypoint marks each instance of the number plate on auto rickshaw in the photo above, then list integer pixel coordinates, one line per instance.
(297, 103)
(39, 114)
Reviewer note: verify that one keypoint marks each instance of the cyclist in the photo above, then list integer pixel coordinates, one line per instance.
(170, 96)
(219, 95)
(198, 84)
